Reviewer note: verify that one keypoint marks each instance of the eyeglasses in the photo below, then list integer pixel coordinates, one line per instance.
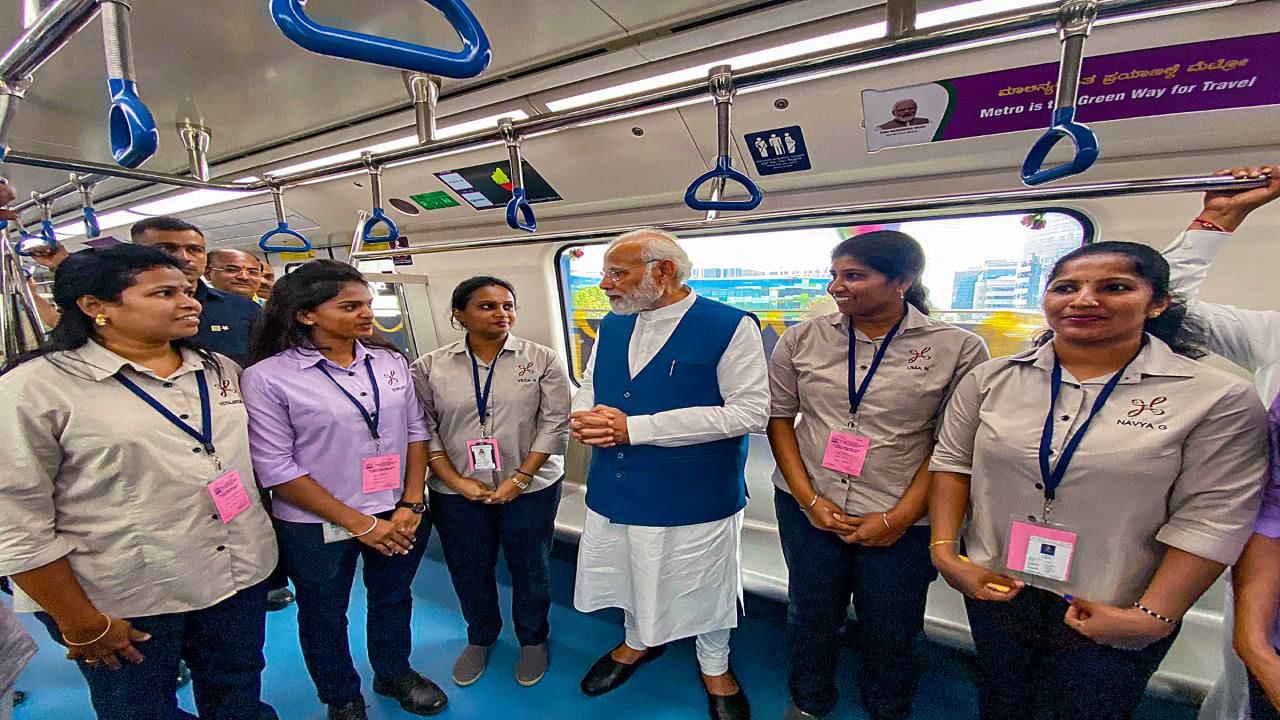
(237, 270)
(616, 275)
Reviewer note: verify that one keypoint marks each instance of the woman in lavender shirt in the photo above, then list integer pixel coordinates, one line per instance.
(337, 432)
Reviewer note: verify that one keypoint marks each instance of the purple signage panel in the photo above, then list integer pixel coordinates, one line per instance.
(1210, 75)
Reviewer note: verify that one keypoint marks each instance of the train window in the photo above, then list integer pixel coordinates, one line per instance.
(983, 272)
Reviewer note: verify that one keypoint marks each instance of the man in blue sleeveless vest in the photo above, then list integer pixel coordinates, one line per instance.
(674, 385)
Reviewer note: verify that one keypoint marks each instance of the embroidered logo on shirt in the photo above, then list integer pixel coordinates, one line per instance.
(219, 328)
(392, 378)
(224, 388)
(1142, 408)
(915, 356)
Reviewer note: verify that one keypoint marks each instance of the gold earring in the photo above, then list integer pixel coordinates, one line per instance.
(100, 320)
(902, 294)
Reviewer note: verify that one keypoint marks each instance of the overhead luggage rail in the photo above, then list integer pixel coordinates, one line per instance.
(720, 83)
(1075, 20)
(816, 65)
(867, 211)
(468, 62)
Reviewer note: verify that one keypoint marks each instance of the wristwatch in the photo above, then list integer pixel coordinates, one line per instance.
(417, 508)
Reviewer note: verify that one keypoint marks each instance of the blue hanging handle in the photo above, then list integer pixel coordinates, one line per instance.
(91, 229)
(134, 137)
(90, 216)
(720, 82)
(1064, 126)
(377, 216)
(45, 241)
(468, 62)
(1075, 20)
(723, 169)
(519, 211)
(282, 228)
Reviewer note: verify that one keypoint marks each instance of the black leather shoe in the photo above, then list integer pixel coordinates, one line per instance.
(729, 707)
(353, 710)
(607, 674)
(416, 694)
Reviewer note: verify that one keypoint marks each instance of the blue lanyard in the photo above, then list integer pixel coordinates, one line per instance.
(855, 396)
(482, 398)
(1052, 478)
(371, 421)
(204, 436)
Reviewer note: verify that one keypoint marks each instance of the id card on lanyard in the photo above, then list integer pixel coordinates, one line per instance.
(847, 450)
(1043, 548)
(483, 453)
(227, 492)
(378, 473)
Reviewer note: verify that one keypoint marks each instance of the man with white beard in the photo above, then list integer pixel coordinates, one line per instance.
(673, 387)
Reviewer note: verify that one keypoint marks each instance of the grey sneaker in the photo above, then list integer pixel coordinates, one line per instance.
(532, 665)
(470, 665)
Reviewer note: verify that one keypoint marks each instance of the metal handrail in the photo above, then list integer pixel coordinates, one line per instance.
(55, 26)
(864, 211)
(815, 65)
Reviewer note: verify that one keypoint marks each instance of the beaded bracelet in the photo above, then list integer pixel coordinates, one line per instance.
(1155, 614)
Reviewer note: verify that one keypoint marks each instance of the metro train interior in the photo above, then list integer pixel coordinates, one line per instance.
(563, 123)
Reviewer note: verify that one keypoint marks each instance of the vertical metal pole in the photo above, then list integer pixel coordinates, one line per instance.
(357, 238)
(901, 18)
(196, 140)
(425, 92)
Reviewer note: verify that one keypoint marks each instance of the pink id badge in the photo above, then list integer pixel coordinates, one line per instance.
(483, 454)
(846, 452)
(380, 473)
(229, 496)
(1041, 550)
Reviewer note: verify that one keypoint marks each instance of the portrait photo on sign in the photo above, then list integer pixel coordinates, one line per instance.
(903, 116)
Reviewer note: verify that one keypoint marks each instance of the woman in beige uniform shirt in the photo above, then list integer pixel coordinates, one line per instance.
(128, 508)
(879, 370)
(497, 407)
(1108, 479)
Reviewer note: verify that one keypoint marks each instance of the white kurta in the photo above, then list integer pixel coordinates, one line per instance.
(1250, 339)
(681, 581)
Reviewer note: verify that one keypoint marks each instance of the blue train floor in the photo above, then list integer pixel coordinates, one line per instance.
(669, 689)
